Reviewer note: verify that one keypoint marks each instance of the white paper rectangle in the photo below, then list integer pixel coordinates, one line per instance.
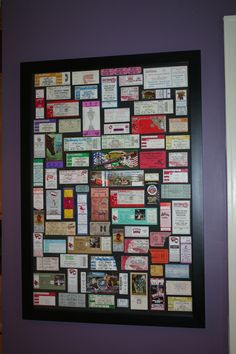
(165, 77)
(181, 217)
(72, 280)
(178, 287)
(82, 144)
(116, 128)
(50, 178)
(123, 283)
(73, 176)
(39, 146)
(47, 263)
(175, 176)
(116, 115)
(120, 141)
(131, 80)
(73, 260)
(103, 263)
(85, 77)
(37, 244)
(58, 93)
(153, 107)
(136, 231)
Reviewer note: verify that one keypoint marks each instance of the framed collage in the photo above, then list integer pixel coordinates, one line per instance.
(111, 175)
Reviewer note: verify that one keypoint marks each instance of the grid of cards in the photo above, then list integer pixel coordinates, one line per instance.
(111, 189)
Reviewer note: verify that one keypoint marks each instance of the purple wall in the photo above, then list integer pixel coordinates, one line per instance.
(39, 30)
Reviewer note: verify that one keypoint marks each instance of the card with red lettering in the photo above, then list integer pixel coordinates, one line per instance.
(154, 159)
(149, 124)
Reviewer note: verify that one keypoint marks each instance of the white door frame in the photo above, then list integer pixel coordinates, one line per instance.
(230, 96)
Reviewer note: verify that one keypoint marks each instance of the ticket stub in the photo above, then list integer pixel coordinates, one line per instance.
(58, 93)
(38, 172)
(45, 126)
(82, 214)
(181, 107)
(136, 245)
(156, 270)
(136, 231)
(163, 77)
(89, 244)
(138, 291)
(178, 125)
(180, 303)
(89, 92)
(115, 159)
(101, 301)
(157, 159)
(158, 239)
(152, 193)
(44, 299)
(175, 191)
(38, 199)
(52, 79)
(102, 282)
(174, 249)
(73, 260)
(123, 303)
(82, 188)
(115, 115)
(49, 281)
(80, 159)
(157, 294)
(186, 249)
(177, 271)
(153, 142)
(109, 88)
(148, 124)
(88, 77)
(175, 175)
(100, 228)
(60, 109)
(39, 104)
(133, 216)
(73, 176)
(159, 256)
(123, 283)
(162, 93)
(179, 287)
(116, 128)
(54, 246)
(68, 203)
(54, 156)
(181, 217)
(121, 71)
(178, 159)
(126, 198)
(165, 216)
(58, 228)
(53, 204)
(38, 220)
(103, 263)
(131, 80)
(47, 263)
(91, 118)
(70, 125)
(71, 300)
(37, 244)
(177, 142)
(39, 146)
(129, 93)
(72, 280)
(134, 262)
(82, 144)
(151, 177)
(153, 107)
(119, 178)
(118, 240)
(99, 204)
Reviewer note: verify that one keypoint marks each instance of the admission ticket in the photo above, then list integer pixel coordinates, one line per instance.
(89, 92)
(181, 217)
(109, 88)
(153, 107)
(89, 244)
(175, 191)
(121, 71)
(103, 263)
(119, 178)
(178, 125)
(116, 128)
(129, 93)
(148, 124)
(80, 159)
(72, 280)
(58, 109)
(129, 216)
(131, 80)
(99, 204)
(71, 300)
(73, 260)
(136, 245)
(66, 228)
(115, 115)
(136, 231)
(73, 176)
(44, 299)
(180, 303)
(153, 142)
(179, 287)
(45, 126)
(52, 79)
(91, 118)
(89, 77)
(175, 175)
(178, 159)
(49, 281)
(134, 262)
(155, 159)
(82, 144)
(69, 125)
(47, 263)
(54, 246)
(58, 93)
(101, 301)
(177, 142)
(138, 290)
(37, 244)
(53, 204)
(82, 214)
(165, 77)
(126, 198)
(177, 271)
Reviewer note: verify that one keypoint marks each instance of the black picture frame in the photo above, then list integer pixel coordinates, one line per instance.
(195, 318)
